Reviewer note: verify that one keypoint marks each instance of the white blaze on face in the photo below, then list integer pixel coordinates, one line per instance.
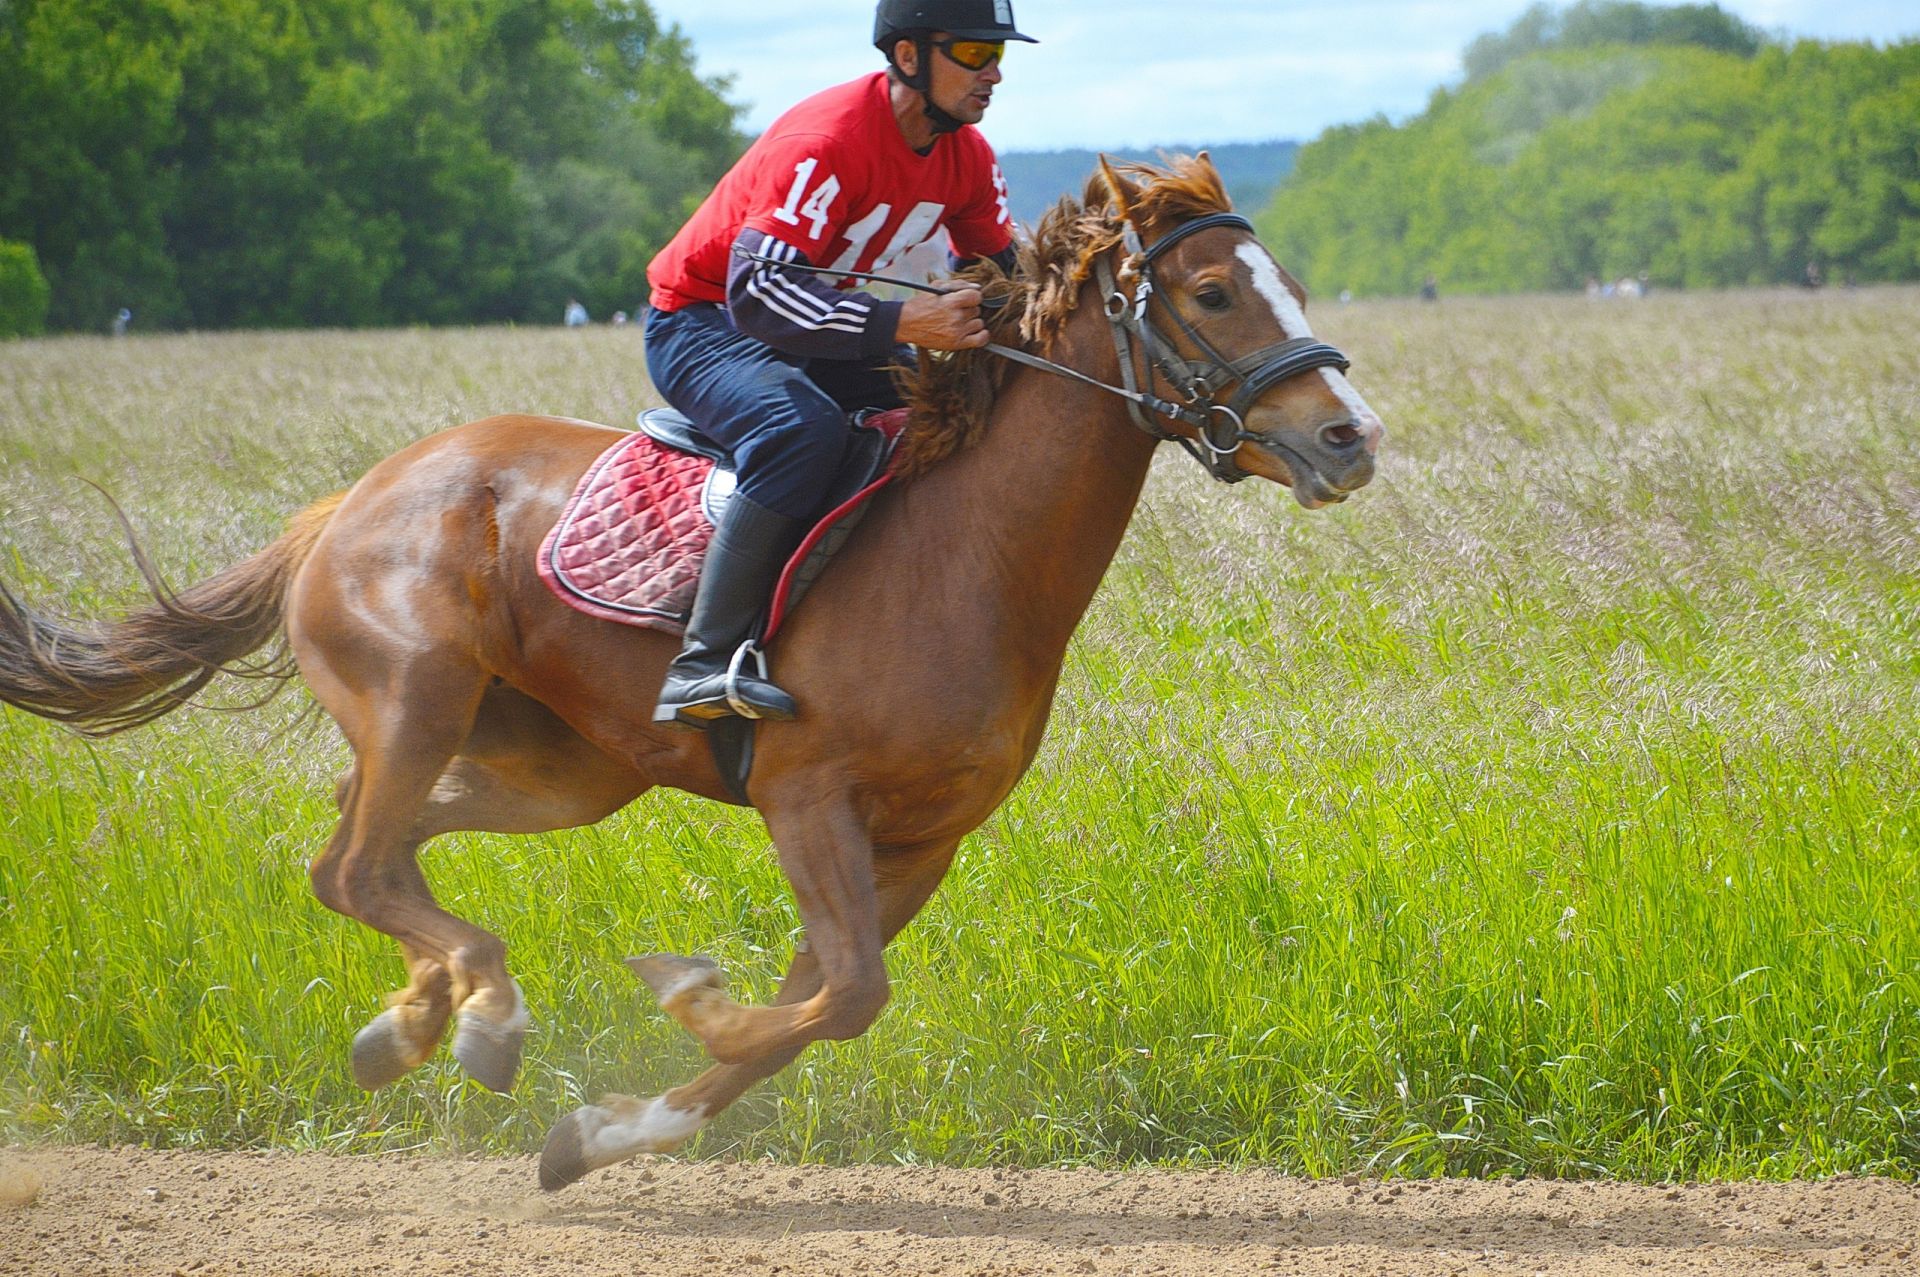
(1293, 322)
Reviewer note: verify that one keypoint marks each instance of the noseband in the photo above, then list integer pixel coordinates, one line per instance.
(1221, 427)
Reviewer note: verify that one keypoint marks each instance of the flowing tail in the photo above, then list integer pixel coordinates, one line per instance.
(108, 678)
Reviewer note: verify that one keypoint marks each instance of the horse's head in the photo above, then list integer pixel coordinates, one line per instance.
(1227, 312)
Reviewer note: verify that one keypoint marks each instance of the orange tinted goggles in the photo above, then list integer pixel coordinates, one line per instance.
(974, 55)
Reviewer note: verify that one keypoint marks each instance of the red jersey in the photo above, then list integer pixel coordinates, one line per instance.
(834, 179)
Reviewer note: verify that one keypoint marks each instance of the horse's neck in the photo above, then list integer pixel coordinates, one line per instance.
(1044, 498)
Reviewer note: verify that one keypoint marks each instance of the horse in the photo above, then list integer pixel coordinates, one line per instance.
(926, 659)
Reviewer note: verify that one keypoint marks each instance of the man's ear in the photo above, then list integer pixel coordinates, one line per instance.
(906, 56)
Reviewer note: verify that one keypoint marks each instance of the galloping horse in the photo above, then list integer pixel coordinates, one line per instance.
(926, 658)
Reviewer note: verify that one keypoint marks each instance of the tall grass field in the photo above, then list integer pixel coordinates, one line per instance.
(1549, 808)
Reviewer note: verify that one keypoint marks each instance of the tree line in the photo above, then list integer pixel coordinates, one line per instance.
(1037, 180)
(250, 163)
(1597, 23)
(1694, 163)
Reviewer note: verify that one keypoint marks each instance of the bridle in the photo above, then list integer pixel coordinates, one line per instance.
(1220, 427)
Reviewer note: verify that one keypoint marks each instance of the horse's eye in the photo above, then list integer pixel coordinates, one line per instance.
(1213, 297)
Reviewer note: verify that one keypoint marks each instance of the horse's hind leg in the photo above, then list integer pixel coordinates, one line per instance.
(620, 1127)
(520, 770)
(402, 1037)
(403, 737)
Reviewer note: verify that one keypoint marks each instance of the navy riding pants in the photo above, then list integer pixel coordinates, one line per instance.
(783, 418)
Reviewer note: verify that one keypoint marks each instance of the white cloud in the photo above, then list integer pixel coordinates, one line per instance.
(1146, 72)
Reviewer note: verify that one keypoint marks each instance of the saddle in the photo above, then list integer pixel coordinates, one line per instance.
(630, 543)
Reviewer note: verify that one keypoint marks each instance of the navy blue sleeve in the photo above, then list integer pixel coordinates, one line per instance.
(797, 312)
(1006, 259)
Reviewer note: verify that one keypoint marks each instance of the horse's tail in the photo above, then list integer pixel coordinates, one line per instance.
(107, 678)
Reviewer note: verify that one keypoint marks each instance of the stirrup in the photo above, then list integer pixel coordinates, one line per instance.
(731, 699)
(740, 654)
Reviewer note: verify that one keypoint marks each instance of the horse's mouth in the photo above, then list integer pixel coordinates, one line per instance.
(1312, 489)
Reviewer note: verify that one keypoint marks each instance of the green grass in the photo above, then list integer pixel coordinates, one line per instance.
(1550, 808)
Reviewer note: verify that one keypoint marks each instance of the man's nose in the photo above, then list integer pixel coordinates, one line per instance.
(992, 74)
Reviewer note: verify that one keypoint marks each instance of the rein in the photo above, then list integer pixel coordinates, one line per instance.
(1220, 427)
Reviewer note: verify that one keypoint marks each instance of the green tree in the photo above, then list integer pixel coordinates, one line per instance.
(1692, 166)
(23, 291)
(88, 97)
(1594, 23)
(287, 162)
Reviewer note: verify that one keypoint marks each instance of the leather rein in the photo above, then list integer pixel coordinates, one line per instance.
(1220, 426)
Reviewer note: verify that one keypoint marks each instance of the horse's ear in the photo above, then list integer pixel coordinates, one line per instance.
(1120, 192)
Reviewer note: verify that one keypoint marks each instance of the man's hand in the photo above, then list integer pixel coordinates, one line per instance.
(944, 321)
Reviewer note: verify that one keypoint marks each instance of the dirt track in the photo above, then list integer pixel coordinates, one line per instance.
(94, 1211)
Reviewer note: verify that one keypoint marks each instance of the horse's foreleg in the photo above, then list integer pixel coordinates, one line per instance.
(829, 860)
(620, 1127)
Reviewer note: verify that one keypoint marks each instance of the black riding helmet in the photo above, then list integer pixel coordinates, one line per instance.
(962, 19)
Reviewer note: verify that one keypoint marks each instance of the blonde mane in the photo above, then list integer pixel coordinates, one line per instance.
(951, 395)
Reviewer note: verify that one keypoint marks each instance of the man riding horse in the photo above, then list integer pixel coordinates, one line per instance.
(767, 358)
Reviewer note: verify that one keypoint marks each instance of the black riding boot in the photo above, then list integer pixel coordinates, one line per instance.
(744, 561)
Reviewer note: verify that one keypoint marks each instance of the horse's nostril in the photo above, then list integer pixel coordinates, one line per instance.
(1340, 436)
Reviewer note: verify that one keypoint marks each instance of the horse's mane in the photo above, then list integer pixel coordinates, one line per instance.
(951, 395)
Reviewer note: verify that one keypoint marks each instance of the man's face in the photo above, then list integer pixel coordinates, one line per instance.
(963, 94)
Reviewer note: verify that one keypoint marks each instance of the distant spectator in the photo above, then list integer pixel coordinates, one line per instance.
(1346, 295)
(1646, 283)
(576, 316)
(1430, 289)
(120, 322)
(1593, 288)
(1813, 278)
(1627, 287)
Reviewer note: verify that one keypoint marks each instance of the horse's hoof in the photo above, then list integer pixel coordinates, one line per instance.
(489, 1054)
(670, 975)
(380, 1056)
(563, 1159)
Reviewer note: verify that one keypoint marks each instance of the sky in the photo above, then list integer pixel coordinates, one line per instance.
(1141, 73)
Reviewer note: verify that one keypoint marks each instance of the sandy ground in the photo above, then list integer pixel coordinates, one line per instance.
(112, 1211)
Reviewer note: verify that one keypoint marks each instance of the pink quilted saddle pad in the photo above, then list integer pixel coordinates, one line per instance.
(630, 544)
(631, 541)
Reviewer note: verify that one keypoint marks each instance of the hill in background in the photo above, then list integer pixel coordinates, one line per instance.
(1037, 179)
(1619, 139)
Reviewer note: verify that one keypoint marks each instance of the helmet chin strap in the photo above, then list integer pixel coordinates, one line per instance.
(922, 83)
(942, 122)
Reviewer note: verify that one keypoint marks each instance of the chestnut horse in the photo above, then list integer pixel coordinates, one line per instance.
(926, 659)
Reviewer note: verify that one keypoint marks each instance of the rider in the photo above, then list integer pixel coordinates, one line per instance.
(767, 359)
